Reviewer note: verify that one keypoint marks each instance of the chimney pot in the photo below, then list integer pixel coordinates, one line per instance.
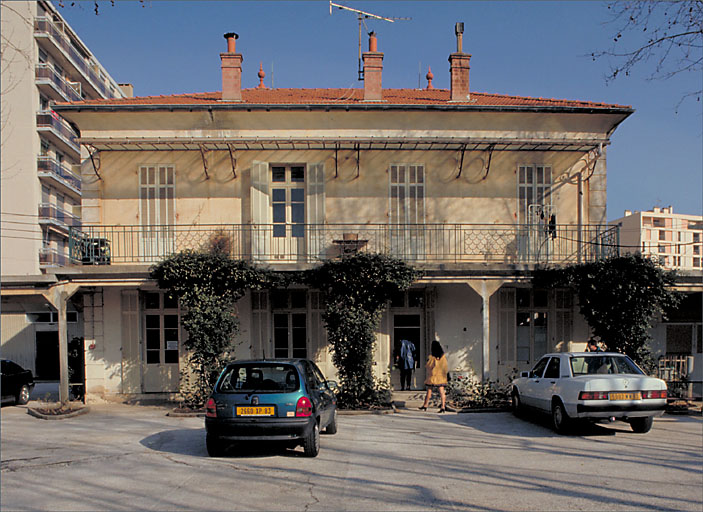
(373, 42)
(231, 41)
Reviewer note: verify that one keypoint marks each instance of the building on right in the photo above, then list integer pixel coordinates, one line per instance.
(676, 241)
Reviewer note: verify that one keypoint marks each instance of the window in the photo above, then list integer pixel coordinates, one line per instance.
(161, 324)
(51, 317)
(156, 193)
(662, 235)
(552, 369)
(288, 201)
(534, 188)
(289, 323)
(407, 194)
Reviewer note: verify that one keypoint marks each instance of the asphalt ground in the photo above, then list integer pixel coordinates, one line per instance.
(122, 457)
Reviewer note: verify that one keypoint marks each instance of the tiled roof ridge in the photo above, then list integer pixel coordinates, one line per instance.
(347, 94)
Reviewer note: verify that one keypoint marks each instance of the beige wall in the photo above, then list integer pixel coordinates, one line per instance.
(19, 184)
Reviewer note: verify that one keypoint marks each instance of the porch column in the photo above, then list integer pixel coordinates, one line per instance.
(485, 288)
(58, 297)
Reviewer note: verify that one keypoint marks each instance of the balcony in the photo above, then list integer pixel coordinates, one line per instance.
(60, 177)
(61, 48)
(422, 244)
(52, 258)
(53, 85)
(50, 125)
(52, 215)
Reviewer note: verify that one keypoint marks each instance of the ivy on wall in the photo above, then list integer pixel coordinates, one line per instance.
(356, 290)
(208, 284)
(619, 298)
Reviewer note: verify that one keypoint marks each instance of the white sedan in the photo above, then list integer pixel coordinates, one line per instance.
(591, 386)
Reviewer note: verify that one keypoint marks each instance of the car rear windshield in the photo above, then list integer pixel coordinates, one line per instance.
(603, 364)
(259, 378)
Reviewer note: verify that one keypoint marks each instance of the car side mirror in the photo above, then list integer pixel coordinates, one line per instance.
(332, 385)
(525, 374)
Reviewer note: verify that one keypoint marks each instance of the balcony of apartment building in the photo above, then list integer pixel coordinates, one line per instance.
(57, 218)
(57, 175)
(302, 245)
(49, 257)
(52, 37)
(54, 86)
(54, 129)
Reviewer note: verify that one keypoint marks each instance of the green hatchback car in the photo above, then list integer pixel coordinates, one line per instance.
(286, 400)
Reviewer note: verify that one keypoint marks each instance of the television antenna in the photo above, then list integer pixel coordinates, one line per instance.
(362, 16)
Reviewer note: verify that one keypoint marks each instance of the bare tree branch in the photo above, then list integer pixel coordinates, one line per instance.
(666, 35)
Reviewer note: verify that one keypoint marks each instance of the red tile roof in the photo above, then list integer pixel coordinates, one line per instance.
(350, 96)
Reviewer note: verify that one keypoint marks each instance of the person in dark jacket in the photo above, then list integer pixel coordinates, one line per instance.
(406, 363)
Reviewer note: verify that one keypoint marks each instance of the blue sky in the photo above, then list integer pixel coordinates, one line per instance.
(523, 48)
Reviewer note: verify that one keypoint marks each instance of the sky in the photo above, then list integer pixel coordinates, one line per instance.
(524, 48)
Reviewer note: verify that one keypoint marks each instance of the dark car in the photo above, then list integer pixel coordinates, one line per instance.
(286, 400)
(16, 383)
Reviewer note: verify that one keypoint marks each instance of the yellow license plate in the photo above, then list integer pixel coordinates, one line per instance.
(255, 411)
(625, 396)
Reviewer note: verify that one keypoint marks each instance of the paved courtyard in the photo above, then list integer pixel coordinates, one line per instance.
(120, 457)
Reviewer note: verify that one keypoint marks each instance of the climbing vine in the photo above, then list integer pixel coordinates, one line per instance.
(207, 284)
(619, 298)
(356, 290)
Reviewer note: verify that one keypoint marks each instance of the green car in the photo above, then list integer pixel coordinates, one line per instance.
(286, 400)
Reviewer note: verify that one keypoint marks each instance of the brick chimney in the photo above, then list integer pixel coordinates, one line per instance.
(231, 70)
(459, 68)
(373, 67)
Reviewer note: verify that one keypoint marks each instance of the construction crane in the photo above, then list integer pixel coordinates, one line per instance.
(363, 15)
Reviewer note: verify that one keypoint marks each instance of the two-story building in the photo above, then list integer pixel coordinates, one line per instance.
(476, 189)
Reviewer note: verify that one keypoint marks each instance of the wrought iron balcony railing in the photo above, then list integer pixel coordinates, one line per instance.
(415, 243)
(49, 166)
(47, 74)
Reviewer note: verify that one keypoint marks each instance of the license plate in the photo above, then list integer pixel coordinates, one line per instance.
(625, 396)
(256, 411)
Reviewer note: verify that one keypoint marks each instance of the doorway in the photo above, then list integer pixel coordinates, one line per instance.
(408, 326)
(46, 363)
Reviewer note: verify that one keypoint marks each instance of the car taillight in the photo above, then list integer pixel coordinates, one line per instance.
(593, 395)
(304, 407)
(211, 409)
(654, 394)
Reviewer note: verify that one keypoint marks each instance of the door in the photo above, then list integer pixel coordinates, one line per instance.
(46, 364)
(289, 323)
(543, 389)
(407, 327)
(157, 191)
(288, 211)
(161, 335)
(533, 383)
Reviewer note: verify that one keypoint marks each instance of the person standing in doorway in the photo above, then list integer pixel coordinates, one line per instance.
(406, 363)
(436, 376)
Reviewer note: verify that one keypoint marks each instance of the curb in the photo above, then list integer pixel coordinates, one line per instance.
(72, 414)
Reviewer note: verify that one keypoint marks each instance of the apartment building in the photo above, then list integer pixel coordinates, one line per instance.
(675, 240)
(476, 189)
(43, 62)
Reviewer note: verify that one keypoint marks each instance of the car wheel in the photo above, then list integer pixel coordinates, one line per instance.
(515, 403)
(311, 444)
(332, 427)
(215, 446)
(23, 395)
(641, 425)
(560, 420)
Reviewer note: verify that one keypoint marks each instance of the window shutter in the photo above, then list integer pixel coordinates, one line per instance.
(260, 209)
(316, 209)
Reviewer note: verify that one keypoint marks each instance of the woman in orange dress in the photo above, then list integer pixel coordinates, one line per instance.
(436, 375)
